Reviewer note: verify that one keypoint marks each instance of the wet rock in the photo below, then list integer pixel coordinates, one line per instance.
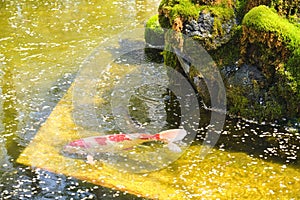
(227, 71)
(196, 33)
(206, 20)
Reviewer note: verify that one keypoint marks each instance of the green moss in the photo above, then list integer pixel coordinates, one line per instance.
(170, 59)
(184, 9)
(220, 12)
(238, 103)
(272, 110)
(293, 66)
(164, 22)
(153, 24)
(228, 53)
(263, 18)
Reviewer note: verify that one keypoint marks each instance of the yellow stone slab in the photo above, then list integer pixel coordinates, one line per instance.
(224, 175)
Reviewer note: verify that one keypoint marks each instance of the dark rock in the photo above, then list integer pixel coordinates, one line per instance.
(227, 71)
(250, 80)
(206, 21)
(245, 75)
(204, 28)
(195, 33)
(188, 27)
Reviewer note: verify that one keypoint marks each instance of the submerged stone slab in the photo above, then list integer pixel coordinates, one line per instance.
(220, 174)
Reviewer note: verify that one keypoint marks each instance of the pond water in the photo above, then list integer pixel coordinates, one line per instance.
(42, 46)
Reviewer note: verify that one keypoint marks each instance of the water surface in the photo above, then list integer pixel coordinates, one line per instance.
(42, 45)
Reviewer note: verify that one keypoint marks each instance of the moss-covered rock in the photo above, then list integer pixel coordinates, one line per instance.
(210, 23)
(154, 37)
(287, 8)
(227, 3)
(269, 43)
(154, 33)
(229, 53)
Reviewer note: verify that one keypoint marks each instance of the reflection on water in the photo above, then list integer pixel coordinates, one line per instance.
(41, 46)
(268, 142)
(148, 109)
(10, 114)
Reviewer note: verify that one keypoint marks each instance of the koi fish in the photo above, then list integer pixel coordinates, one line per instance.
(119, 142)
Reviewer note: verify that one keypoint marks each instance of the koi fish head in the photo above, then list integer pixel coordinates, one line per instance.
(172, 135)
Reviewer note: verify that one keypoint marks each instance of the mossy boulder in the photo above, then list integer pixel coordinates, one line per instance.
(272, 43)
(169, 10)
(210, 22)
